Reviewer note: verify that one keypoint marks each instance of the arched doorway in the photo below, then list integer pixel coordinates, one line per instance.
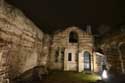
(87, 61)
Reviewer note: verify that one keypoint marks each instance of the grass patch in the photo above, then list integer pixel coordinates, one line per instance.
(72, 76)
(87, 77)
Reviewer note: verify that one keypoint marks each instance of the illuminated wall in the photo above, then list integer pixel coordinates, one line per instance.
(68, 54)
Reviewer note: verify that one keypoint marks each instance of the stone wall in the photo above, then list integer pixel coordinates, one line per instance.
(44, 60)
(113, 48)
(113, 59)
(21, 42)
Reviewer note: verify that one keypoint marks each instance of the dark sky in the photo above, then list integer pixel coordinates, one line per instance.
(51, 15)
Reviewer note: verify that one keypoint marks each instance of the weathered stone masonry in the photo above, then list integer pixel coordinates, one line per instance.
(24, 46)
(62, 47)
(114, 50)
(21, 43)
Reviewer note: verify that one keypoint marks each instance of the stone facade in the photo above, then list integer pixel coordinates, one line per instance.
(21, 43)
(69, 48)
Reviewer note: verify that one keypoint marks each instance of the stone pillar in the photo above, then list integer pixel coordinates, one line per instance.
(95, 65)
(4, 78)
(51, 58)
(80, 62)
(59, 58)
(65, 60)
(121, 60)
(92, 62)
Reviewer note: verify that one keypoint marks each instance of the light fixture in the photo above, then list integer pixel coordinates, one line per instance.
(104, 74)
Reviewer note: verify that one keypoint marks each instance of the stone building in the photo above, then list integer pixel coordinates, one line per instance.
(72, 50)
(24, 46)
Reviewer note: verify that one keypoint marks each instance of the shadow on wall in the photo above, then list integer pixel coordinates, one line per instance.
(33, 75)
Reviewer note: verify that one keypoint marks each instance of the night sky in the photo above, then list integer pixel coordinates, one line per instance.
(50, 15)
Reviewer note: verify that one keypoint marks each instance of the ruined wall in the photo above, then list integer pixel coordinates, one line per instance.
(21, 39)
(113, 59)
(44, 59)
(113, 48)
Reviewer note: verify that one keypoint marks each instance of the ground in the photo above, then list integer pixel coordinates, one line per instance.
(71, 77)
(65, 77)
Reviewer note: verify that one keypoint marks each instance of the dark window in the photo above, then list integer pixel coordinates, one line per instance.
(70, 57)
(73, 37)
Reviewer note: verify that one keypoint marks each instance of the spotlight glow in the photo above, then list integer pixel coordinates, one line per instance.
(104, 74)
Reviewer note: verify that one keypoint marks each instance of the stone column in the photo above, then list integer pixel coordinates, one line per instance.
(121, 60)
(65, 60)
(59, 58)
(94, 62)
(79, 67)
(80, 62)
(4, 65)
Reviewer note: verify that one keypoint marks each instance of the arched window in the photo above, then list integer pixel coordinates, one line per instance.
(73, 37)
(87, 60)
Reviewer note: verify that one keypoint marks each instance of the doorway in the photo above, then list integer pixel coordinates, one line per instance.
(87, 61)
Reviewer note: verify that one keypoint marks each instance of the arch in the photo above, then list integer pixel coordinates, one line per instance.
(122, 48)
(87, 61)
(73, 37)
